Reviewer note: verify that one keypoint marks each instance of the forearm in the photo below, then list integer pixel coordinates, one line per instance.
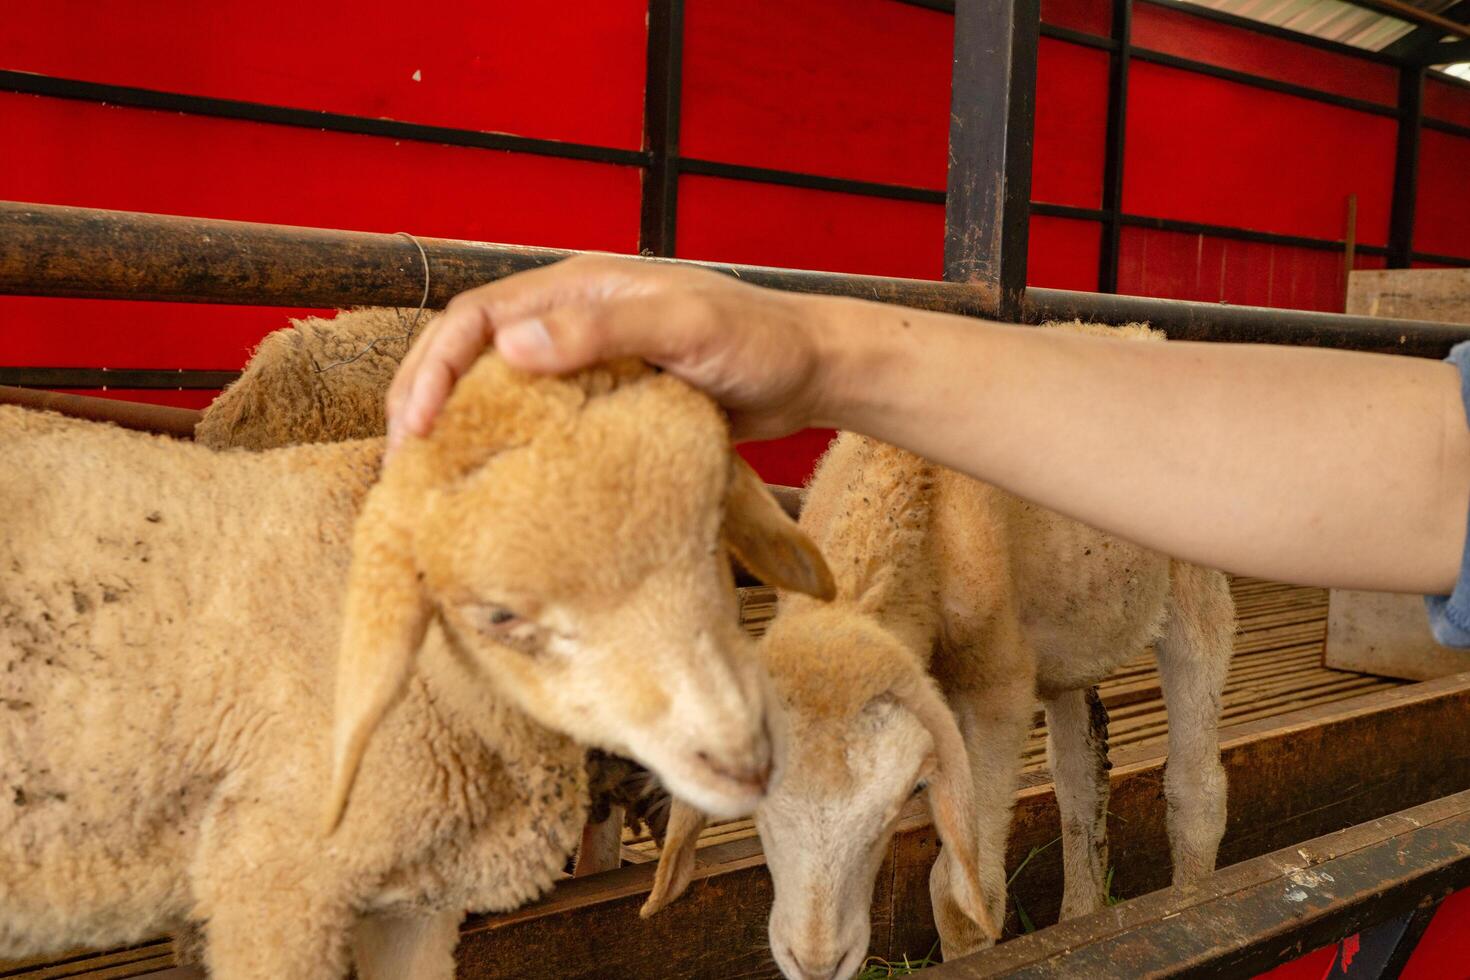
(1304, 465)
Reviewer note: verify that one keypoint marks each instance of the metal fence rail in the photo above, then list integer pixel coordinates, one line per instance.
(49, 250)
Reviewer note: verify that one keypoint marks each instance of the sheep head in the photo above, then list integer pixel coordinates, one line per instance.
(568, 537)
(858, 728)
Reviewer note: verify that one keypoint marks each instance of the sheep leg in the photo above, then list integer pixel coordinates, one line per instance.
(1194, 656)
(407, 947)
(266, 933)
(1077, 751)
(995, 722)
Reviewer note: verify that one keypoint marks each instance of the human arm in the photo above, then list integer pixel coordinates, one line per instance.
(1304, 465)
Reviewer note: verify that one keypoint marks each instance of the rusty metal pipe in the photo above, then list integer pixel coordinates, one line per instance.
(161, 419)
(79, 252)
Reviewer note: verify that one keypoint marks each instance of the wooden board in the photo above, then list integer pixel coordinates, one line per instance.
(1375, 632)
(1293, 777)
(1251, 917)
(1385, 634)
(1441, 295)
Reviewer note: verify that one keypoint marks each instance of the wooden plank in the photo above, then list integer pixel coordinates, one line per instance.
(1439, 295)
(1301, 775)
(1260, 913)
(1388, 635)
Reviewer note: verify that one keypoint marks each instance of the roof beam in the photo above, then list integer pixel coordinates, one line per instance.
(1416, 44)
(1408, 12)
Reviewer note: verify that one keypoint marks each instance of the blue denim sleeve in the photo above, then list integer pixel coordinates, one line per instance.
(1449, 615)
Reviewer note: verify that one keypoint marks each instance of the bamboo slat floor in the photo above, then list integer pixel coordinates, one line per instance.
(1276, 668)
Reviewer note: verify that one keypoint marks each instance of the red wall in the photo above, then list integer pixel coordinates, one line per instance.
(844, 88)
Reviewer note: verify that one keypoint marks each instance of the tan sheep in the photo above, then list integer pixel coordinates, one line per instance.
(946, 583)
(179, 628)
(318, 380)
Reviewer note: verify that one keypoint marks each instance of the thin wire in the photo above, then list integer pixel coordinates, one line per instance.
(409, 328)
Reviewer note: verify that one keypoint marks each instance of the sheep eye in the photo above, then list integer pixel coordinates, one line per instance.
(500, 616)
(919, 788)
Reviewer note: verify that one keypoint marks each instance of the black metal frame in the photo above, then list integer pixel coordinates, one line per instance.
(662, 163)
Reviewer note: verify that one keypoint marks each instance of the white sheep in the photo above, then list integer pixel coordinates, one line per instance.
(946, 583)
(200, 650)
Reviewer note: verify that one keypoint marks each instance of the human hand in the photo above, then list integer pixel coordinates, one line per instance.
(755, 351)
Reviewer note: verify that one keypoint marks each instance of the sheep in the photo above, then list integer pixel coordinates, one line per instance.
(319, 380)
(325, 380)
(199, 649)
(948, 584)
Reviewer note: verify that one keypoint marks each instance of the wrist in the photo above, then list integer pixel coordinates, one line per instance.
(849, 348)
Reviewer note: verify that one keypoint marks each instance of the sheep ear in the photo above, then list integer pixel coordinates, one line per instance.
(676, 859)
(767, 541)
(384, 618)
(951, 796)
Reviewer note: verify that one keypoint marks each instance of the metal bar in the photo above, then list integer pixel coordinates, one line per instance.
(133, 378)
(1071, 35)
(48, 250)
(1244, 234)
(1261, 82)
(1408, 48)
(1184, 320)
(787, 178)
(1445, 54)
(1454, 260)
(1204, 13)
(1273, 30)
(992, 113)
(162, 419)
(142, 98)
(943, 6)
(1406, 168)
(1114, 150)
(1414, 15)
(1445, 126)
(1251, 917)
(662, 98)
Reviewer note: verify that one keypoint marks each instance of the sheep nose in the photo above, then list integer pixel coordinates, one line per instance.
(805, 972)
(753, 776)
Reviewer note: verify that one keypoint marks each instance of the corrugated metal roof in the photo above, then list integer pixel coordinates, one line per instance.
(1330, 19)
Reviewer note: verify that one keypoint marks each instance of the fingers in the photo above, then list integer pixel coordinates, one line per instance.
(665, 329)
(456, 338)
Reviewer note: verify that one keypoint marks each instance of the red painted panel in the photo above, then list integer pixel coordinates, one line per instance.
(1071, 124)
(768, 224)
(572, 71)
(1092, 16)
(43, 332)
(1217, 270)
(1447, 101)
(1444, 952)
(1442, 215)
(178, 399)
(63, 152)
(1179, 33)
(844, 88)
(787, 461)
(1208, 150)
(1062, 253)
(1313, 966)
